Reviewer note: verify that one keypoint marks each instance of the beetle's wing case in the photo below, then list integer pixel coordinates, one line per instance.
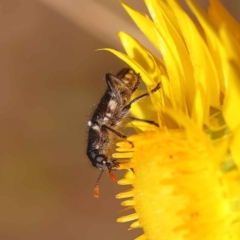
(123, 84)
(129, 78)
(102, 108)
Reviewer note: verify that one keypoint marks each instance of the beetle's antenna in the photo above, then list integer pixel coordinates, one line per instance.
(96, 189)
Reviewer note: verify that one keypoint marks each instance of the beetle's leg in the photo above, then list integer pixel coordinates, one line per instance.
(143, 120)
(117, 133)
(127, 107)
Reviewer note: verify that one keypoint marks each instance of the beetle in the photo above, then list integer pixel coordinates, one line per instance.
(108, 117)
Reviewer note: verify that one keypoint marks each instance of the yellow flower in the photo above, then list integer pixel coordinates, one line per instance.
(186, 179)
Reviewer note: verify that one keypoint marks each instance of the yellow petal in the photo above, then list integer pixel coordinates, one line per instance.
(144, 57)
(231, 104)
(231, 50)
(235, 146)
(219, 15)
(128, 218)
(173, 69)
(199, 105)
(173, 40)
(134, 65)
(204, 67)
(215, 48)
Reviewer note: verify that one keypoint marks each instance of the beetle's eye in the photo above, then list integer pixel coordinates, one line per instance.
(99, 158)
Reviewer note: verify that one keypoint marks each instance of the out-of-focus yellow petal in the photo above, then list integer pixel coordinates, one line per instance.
(231, 59)
(199, 104)
(231, 104)
(235, 146)
(215, 47)
(231, 51)
(219, 15)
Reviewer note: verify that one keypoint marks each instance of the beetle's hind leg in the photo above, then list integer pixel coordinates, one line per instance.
(118, 134)
(127, 107)
(144, 120)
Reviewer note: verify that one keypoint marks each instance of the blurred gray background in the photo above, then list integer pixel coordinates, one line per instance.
(51, 80)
